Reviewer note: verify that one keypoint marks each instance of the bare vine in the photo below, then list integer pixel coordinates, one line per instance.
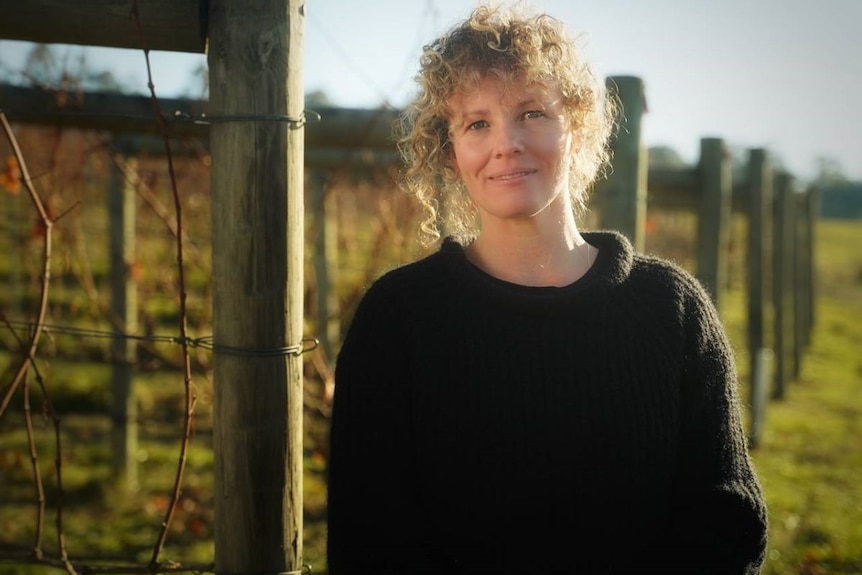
(28, 362)
(190, 398)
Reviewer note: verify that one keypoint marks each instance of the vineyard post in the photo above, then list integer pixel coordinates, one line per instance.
(174, 25)
(622, 197)
(759, 189)
(782, 280)
(812, 212)
(713, 220)
(124, 317)
(256, 141)
(802, 278)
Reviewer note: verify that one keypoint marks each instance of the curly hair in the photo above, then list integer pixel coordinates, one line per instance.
(517, 46)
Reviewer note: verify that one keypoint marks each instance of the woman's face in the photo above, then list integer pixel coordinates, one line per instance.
(511, 146)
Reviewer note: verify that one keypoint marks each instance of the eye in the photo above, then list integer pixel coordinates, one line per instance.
(531, 114)
(478, 125)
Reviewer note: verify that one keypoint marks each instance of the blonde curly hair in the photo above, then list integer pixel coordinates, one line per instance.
(514, 44)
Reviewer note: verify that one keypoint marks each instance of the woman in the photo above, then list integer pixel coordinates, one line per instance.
(531, 399)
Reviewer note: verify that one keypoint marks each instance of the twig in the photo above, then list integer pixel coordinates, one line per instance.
(190, 395)
(146, 194)
(58, 464)
(33, 344)
(37, 474)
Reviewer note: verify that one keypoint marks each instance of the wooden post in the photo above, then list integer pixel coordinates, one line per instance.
(813, 213)
(713, 221)
(124, 316)
(782, 280)
(761, 375)
(800, 284)
(760, 200)
(805, 269)
(175, 25)
(255, 63)
(622, 197)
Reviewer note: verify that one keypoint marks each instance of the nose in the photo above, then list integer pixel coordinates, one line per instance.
(509, 139)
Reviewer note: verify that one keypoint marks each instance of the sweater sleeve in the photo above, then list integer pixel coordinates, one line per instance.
(370, 504)
(718, 522)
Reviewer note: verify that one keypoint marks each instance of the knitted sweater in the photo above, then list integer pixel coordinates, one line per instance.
(485, 427)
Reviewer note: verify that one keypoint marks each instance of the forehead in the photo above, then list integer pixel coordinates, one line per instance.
(495, 90)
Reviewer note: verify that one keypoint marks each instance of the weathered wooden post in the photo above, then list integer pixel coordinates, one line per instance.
(124, 316)
(759, 212)
(175, 25)
(782, 280)
(621, 198)
(713, 219)
(812, 214)
(761, 375)
(256, 139)
(799, 284)
(804, 278)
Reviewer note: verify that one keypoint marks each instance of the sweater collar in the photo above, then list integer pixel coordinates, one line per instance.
(611, 268)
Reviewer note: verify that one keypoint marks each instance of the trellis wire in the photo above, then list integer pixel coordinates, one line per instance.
(306, 345)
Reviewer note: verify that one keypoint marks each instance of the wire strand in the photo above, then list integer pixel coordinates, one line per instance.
(306, 344)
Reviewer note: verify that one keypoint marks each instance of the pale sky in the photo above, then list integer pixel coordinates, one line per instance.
(785, 75)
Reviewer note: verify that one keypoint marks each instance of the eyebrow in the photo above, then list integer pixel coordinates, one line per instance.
(531, 102)
(522, 104)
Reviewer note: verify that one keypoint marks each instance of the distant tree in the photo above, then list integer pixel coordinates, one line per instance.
(665, 157)
(830, 172)
(739, 158)
(101, 82)
(50, 68)
(317, 98)
(41, 66)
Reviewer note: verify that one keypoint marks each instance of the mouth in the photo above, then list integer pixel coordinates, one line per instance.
(512, 175)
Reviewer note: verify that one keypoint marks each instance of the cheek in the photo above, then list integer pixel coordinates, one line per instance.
(562, 148)
(469, 157)
(453, 161)
(461, 158)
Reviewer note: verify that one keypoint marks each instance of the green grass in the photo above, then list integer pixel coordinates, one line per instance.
(809, 459)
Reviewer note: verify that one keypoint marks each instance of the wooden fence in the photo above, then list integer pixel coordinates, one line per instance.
(780, 238)
(254, 52)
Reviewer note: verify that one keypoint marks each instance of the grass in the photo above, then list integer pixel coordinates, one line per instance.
(810, 459)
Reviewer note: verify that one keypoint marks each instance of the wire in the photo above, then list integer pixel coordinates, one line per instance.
(305, 345)
(206, 119)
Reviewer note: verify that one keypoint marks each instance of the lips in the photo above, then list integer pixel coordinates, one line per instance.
(511, 175)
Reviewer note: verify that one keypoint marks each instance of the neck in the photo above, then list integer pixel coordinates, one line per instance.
(527, 254)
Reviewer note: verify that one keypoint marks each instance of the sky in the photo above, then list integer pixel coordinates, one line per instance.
(785, 75)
